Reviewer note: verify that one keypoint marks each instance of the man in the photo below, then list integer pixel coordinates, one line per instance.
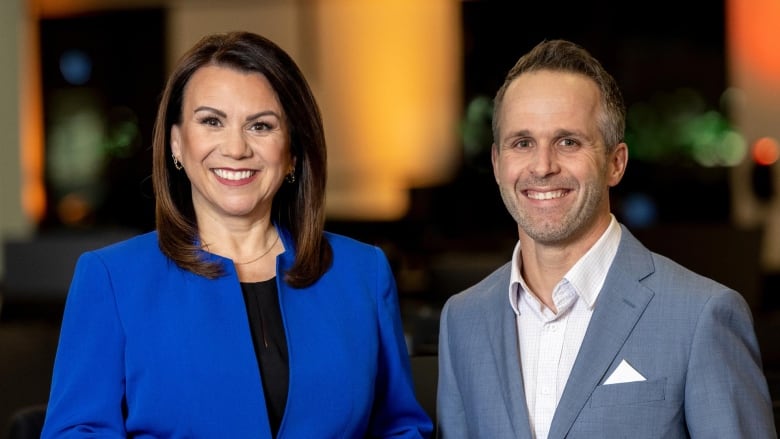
(586, 333)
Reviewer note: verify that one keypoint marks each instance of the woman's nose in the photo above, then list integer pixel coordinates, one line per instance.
(234, 144)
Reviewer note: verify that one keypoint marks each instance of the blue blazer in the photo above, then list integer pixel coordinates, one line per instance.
(148, 350)
(690, 337)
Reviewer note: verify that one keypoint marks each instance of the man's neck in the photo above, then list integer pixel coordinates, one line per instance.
(543, 265)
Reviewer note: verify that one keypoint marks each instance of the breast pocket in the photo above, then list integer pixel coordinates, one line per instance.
(628, 393)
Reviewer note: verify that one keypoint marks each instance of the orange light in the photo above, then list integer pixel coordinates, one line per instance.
(73, 209)
(390, 86)
(752, 28)
(766, 151)
(31, 148)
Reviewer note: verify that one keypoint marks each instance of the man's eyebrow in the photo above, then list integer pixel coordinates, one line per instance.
(519, 133)
(564, 132)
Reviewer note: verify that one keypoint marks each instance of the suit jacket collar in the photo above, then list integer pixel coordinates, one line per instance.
(504, 348)
(620, 304)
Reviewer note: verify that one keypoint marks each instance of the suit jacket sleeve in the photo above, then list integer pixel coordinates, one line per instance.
(451, 415)
(87, 385)
(725, 391)
(397, 413)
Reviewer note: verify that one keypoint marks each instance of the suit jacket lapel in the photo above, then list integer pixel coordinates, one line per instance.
(504, 348)
(619, 306)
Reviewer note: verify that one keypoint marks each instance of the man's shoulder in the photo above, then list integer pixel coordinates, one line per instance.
(494, 285)
(659, 272)
(672, 273)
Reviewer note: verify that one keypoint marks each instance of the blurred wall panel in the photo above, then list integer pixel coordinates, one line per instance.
(277, 20)
(754, 73)
(390, 77)
(12, 38)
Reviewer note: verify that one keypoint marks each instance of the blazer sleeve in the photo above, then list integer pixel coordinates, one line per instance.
(87, 390)
(450, 412)
(396, 413)
(726, 393)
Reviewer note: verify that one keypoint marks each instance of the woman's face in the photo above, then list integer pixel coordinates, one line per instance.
(233, 141)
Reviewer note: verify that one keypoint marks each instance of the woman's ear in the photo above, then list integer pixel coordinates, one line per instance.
(176, 141)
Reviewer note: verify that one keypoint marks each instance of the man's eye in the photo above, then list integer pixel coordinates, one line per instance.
(568, 143)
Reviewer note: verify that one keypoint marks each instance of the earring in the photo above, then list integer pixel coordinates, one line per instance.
(176, 163)
(290, 178)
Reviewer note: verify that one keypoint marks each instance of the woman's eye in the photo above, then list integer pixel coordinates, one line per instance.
(260, 126)
(210, 121)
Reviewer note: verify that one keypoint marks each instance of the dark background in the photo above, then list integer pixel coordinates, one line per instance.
(454, 233)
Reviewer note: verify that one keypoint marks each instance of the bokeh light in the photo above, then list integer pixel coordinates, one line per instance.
(674, 126)
(639, 210)
(76, 67)
(766, 151)
(73, 209)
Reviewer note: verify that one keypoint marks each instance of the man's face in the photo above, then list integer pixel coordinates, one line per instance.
(550, 161)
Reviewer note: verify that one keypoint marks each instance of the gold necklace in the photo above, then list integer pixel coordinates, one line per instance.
(261, 255)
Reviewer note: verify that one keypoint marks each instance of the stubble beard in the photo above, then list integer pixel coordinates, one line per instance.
(552, 229)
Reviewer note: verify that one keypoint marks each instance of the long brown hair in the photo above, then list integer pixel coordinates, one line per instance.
(298, 207)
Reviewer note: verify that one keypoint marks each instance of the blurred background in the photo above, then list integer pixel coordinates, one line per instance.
(406, 91)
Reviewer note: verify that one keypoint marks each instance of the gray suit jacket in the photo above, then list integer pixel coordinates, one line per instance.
(690, 337)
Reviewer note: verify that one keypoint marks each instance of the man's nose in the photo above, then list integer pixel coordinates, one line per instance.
(544, 161)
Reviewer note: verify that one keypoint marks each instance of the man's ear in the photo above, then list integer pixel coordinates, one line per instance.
(618, 161)
(494, 160)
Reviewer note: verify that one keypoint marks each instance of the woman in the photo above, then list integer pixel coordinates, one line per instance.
(239, 316)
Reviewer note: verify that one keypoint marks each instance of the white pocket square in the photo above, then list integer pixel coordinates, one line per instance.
(624, 373)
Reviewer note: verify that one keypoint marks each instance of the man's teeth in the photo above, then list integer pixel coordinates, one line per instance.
(545, 195)
(233, 175)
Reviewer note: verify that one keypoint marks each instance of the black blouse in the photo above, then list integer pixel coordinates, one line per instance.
(265, 321)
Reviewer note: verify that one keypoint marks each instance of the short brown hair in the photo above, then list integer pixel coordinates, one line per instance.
(565, 56)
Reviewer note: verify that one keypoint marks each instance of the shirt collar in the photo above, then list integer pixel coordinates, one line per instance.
(586, 276)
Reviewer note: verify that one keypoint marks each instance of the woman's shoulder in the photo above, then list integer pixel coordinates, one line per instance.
(129, 259)
(348, 251)
(344, 243)
(141, 247)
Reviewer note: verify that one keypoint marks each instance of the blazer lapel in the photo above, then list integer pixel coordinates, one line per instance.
(619, 306)
(504, 348)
